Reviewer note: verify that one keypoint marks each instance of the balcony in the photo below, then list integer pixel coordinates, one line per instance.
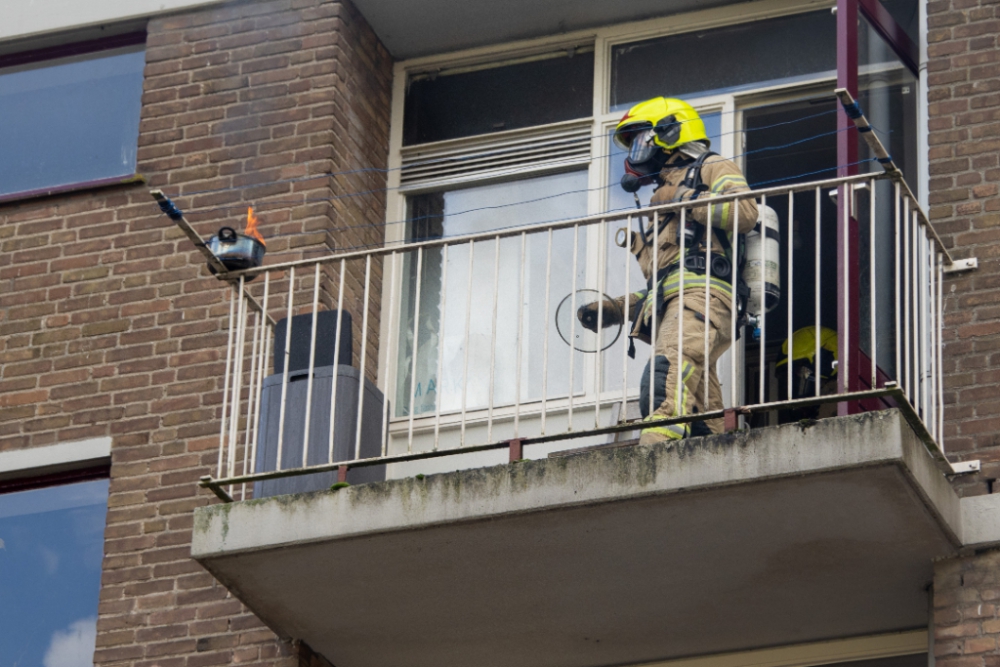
(440, 543)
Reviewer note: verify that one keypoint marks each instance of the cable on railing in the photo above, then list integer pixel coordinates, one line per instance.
(763, 149)
(387, 170)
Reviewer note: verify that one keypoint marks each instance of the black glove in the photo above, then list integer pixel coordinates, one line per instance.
(587, 315)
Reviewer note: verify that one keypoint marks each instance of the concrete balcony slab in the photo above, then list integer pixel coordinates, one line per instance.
(769, 537)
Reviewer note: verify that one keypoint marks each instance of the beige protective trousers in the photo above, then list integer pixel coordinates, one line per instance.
(689, 366)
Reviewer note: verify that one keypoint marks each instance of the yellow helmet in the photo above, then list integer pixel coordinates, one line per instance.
(804, 347)
(674, 121)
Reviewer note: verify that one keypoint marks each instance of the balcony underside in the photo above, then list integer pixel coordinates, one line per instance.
(775, 536)
(411, 28)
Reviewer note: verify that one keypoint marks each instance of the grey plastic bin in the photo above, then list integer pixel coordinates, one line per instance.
(345, 430)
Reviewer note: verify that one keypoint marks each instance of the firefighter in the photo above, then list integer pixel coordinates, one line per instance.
(667, 146)
(804, 372)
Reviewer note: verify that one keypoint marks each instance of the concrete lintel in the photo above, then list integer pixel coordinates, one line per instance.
(879, 438)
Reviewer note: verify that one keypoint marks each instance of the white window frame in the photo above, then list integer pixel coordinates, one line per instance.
(603, 40)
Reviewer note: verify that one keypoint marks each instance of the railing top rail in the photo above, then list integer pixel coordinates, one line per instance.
(512, 231)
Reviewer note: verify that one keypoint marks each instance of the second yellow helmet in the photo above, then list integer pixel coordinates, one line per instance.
(675, 122)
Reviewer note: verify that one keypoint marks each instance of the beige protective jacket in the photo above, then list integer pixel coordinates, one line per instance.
(722, 176)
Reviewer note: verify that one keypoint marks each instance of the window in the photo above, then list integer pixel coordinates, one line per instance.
(69, 120)
(469, 300)
(724, 60)
(460, 103)
(51, 546)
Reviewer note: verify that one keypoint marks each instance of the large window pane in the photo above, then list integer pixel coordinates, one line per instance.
(448, 106)
(51, 545)
(723, 60)
(71, 120)
(479, 209)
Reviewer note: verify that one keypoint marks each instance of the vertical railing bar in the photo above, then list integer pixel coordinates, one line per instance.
(682, 271)
(393, 345)
(708, 281)
(734, 305)
(251, 402)
(623, 415)
(654, 288)
(791, 293)
(312, 368)
(468, 322)
(493, 338)
(520, 336)
(364, 355)
(602, 283)
(224, 421)
(265, 340)
(897, 271)
(939, 351)
(545, 336)
(440, 365)
(871, 284)
(336, 357)
(287, 357)
(763, 304)
(924, 282)
(572, 347)
(237, 387)
(931, 340)
(845, 363)
(916, 325)
(906, 300)
(414, 350)
(816, 292)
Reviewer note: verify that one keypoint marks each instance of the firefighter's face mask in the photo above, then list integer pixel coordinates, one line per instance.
(644, 162)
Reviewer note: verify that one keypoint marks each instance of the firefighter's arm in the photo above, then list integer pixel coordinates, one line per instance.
(723, 177)
(615, 311)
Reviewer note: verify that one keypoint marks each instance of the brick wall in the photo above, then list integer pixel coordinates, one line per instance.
(964, 123)
(110, 323)
(966, 597)
(964, 120)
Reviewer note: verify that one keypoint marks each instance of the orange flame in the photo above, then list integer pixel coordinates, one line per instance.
(251, 228)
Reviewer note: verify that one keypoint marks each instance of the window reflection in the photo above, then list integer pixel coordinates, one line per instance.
(51, 545)
(71, 120)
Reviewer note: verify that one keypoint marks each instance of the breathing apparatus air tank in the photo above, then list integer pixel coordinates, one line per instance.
(769, 265)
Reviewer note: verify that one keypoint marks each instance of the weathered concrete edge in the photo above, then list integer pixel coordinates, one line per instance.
(981, 520)
(875, 438)
(931, 485)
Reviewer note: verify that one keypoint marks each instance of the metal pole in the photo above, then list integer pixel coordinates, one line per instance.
(468, 322)
(392, 354)
(364, 354)
(225, 387)
(652, 297)
(493, 339)
(440, 364)
(625, 316)
(572, 301)
(601, 269)
(545, 335)
(520, 336)
(873, 343)
(414, 347)
(312, 368)
(336, 357)
(287, 357)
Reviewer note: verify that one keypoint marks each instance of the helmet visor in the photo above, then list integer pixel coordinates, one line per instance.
(643, 148)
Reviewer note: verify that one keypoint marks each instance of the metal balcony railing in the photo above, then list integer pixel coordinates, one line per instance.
(473, 360)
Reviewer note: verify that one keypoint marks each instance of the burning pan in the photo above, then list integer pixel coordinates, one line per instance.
(236, 251)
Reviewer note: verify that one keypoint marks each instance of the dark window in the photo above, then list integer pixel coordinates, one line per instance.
(724, 59)
(466, 103)
(907, 15)
(51, 545)
(69, 120)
